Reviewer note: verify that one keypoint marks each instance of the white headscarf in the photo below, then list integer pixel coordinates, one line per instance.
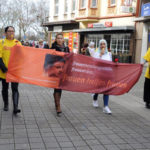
(91, 50)
(103, 41)
(91, 44)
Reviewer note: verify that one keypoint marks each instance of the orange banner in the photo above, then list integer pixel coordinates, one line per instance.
(72, 72)
(26, 65)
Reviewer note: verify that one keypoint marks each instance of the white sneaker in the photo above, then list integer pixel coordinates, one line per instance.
(107, 110)
(95, 103)
(92, 95)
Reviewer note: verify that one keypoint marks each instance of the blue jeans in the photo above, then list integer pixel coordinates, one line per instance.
(105, 98)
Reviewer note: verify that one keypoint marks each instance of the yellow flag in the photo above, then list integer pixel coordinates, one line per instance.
(147, 55)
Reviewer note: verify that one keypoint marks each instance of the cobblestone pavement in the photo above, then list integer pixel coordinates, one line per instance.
(81, 126)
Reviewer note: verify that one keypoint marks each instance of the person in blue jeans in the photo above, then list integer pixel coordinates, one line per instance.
(106, 109)
(104, 54)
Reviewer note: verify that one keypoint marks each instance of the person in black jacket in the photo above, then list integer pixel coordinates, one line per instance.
(42, 45)
(59, 45)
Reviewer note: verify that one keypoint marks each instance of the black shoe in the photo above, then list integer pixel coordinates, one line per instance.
(5, 108)
(16, 111)
(59, 114)
(147, 105)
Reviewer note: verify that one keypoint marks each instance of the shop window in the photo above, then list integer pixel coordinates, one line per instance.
(120, 43)
(73, 5)
(127, 2)
(95, 38)
(94, 4)
(83, 3)
(56, 7)
(107, 37)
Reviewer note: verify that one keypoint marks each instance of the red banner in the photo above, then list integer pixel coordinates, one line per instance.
(72, 72)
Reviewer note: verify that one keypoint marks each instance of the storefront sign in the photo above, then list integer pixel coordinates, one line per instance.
(70, 41)
(145, 11)
(96, 25)
(57, 29)
(108, 24)
(127, 9)
(90, 25)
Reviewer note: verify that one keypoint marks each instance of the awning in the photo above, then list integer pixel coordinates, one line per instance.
(142, 19)
(66, 25)
(47, 24)
(116, 28)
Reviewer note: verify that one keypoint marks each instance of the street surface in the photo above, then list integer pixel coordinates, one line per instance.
(81, 126)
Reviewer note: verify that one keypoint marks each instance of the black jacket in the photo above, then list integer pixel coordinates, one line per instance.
(45, 46)
(60, 49)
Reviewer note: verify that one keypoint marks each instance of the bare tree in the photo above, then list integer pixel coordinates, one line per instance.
(41, 13)
(6, 14)
(24, 15)
(24, 19)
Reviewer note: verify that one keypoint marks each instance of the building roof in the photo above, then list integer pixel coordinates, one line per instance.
(116, 28)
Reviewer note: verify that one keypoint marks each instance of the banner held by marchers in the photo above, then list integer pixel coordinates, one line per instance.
(72, 72)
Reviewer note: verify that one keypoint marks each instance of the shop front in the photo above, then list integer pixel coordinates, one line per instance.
(70, 37)
(143, 31)
(120, 40)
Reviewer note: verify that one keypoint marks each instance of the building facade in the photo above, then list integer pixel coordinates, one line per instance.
(91, 20)
(62, 19)
(142, 21)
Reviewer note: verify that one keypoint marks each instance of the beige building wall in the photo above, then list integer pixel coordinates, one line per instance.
(62, 15)
(122, 19)
(113, 10)
(103, 13)
(126, 21)
(100, 14)
(138, 41)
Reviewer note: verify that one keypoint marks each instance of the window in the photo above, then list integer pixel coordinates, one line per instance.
(120, 43)
(56, 7)
(73, 5)
(94, 4)
(127, 2)
(83, 3)
(66, 6)
(95, 38)
(112, 2)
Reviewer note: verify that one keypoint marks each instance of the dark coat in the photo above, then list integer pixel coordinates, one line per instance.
(60, 49)
(45, 46)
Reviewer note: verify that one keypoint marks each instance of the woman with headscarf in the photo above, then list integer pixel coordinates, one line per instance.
(102, 53)
(91, 48)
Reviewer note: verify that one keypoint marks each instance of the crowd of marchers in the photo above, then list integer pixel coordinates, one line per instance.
(57, 66)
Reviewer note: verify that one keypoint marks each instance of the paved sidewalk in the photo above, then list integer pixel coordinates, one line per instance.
(81, 127)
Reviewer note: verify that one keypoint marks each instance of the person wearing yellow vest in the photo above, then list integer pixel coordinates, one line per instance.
(146, 96)
(5, 48)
